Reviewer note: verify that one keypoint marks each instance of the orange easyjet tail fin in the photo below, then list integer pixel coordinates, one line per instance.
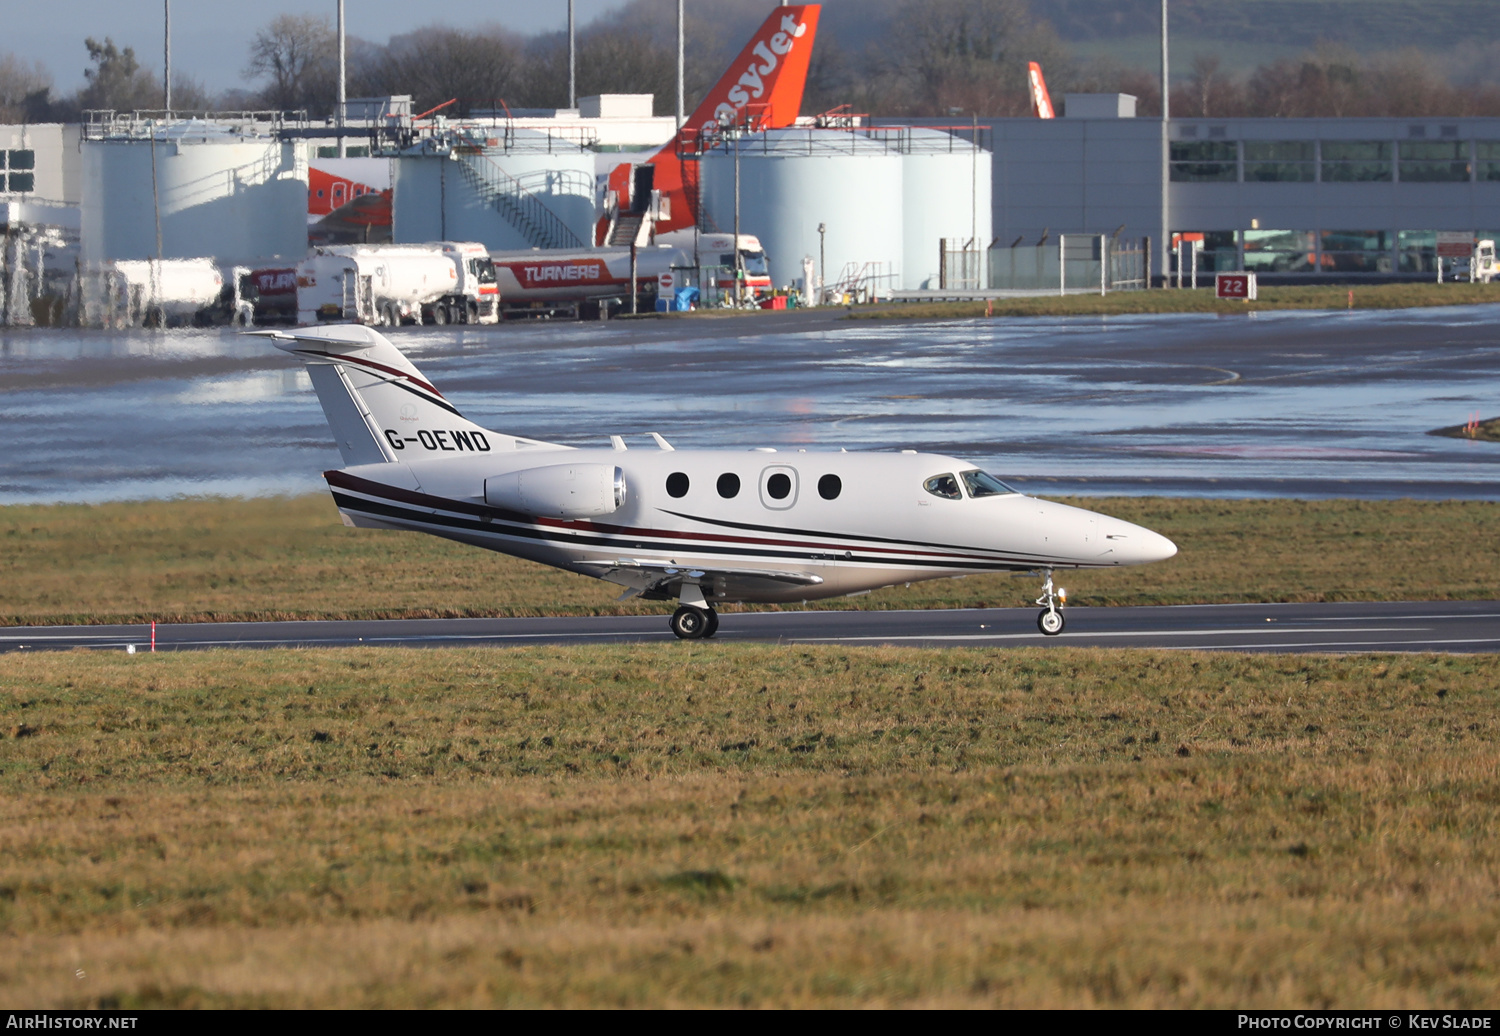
(762, 89)
(1041, 100)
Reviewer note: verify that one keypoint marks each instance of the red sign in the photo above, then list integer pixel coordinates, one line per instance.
(1455, 244)
(545, 275)
(1234, 286)
(275, 282)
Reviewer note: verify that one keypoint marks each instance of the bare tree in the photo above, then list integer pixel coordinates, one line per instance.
(972, 55)
(438, 64)
(622, 60)
(297, 57)
(21, 87)
(1210, 92)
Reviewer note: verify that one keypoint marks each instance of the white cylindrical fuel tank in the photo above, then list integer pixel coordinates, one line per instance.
(945, 194)
(528, 190)
(239, 198)
(792, 180)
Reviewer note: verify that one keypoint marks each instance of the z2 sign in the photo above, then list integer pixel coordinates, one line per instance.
(1235, 286)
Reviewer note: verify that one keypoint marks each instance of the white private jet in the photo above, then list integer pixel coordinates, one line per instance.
(703, 527)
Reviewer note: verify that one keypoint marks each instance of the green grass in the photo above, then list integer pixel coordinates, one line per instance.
(1375, 296)
(738, 825)
(274, 558)
(1487, 430)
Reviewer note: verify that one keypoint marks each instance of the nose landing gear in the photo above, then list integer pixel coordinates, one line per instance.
(1050, 621)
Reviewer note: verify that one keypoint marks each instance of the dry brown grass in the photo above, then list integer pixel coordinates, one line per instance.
(707, 824)
(290, 558)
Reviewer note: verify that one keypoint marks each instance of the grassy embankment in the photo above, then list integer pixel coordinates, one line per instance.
(1481, 431)
(719, 824)
(290, 558)
(1122, 303)
(1330, 296)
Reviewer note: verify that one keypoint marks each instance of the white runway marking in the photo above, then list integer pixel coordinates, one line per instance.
(1269, 631)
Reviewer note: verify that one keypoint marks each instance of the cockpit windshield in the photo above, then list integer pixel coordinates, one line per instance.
(755, 262)
(945, 486)
(982, 483)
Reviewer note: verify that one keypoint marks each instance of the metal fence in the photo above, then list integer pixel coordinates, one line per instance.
(1074, 262)
(962, 268)
(1128, 266)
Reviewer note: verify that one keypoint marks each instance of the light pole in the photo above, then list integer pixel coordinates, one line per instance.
(166, 75)
(730, 130)
(822, 276)
(739, 273)
(343, 101)
(680, 116)
(1166, 154)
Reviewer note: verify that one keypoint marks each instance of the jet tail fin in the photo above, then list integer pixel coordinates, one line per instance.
(380, 407)
(1041, 100)
(762, 88)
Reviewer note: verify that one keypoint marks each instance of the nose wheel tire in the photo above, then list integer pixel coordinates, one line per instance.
(694, 623)
(1049, 622)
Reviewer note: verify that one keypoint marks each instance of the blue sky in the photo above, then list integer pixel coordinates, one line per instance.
(210, 40)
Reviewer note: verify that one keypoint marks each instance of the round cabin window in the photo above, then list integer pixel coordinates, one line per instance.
(729, 485)
(830, 486)
(677, 484)
(778, 486)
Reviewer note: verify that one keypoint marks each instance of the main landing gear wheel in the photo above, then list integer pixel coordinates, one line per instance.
(1050, 621)
(691, 623)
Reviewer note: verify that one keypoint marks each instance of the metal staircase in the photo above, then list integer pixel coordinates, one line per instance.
(625, 229)
(539, 225)
(861, 282)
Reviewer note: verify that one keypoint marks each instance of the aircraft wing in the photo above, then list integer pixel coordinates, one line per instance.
(656, 581)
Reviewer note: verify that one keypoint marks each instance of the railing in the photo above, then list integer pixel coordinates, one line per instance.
(141, 124)
(838, 140)
(504, 135)
(861, 282)
(521, 208)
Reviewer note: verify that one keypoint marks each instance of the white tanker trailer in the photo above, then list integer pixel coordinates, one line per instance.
(580, 282)
(163, 292)
(439, 283)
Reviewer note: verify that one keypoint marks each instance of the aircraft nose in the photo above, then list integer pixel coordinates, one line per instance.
(1137, 545)
(1156, 547)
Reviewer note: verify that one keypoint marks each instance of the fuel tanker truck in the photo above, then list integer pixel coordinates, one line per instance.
(441, 282)
(587, 282)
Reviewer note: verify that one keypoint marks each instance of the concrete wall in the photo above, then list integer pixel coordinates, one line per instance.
(57, 172)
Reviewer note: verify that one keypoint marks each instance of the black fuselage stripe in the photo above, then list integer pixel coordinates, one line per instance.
(378, 509)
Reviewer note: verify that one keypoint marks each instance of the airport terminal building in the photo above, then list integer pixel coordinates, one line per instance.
(1294, 199)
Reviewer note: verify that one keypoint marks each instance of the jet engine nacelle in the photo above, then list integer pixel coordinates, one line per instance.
(559, 490)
